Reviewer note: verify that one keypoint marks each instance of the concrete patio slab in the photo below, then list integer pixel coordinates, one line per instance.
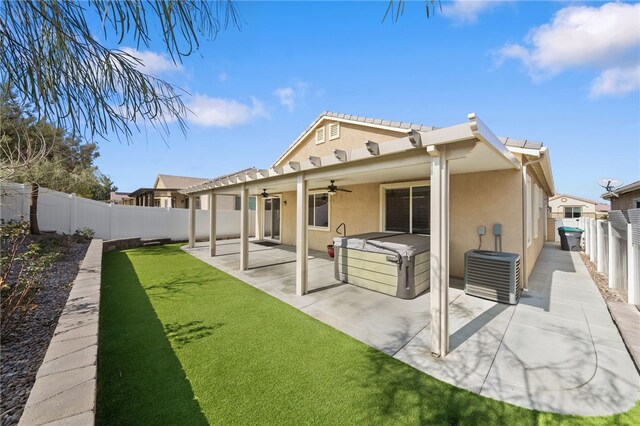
(557, 350)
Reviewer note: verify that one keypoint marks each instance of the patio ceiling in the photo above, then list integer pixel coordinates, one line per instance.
(398, 160)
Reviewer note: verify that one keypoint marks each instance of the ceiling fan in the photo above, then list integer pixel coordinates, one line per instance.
(264, 194)
(332, 188)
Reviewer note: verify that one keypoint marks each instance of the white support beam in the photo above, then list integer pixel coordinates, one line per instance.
(244, 228)
(439, 262)
(212, 223)
(192, 221)
(259, 217)
(340, 155)
(302, 247)
(295, 165)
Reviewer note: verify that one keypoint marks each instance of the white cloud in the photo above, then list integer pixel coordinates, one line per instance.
(286, 96)
(220, 112)
(467, 11)
(616, 82)
(290, 95)
(605, 38)
(152, 62)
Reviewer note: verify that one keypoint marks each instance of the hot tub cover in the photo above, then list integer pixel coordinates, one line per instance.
(405, 245)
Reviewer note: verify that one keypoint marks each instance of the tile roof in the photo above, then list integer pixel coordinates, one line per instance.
(179, 182)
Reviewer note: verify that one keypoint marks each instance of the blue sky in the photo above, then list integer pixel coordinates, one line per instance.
(564, 73)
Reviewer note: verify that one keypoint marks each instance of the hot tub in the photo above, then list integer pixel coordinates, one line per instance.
(389, 263)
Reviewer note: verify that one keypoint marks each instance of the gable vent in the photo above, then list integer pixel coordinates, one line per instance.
(320, 135)
(334, 131)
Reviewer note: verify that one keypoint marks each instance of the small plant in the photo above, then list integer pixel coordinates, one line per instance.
(18, 274)
(82, 235)
(24, 262)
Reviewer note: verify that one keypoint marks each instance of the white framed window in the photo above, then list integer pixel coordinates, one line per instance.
(636, 203)
(334, 131)
(318, 214)
(406, 207)
(320, 135)
(571, 212)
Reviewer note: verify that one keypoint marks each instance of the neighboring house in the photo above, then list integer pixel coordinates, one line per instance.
(565, 206)
(165, 193)
(391, 169)
(628, 197)
(121, 198)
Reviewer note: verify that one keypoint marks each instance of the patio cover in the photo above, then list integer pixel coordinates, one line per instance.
(434, 154)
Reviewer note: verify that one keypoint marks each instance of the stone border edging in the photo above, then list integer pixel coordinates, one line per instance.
(65, 388)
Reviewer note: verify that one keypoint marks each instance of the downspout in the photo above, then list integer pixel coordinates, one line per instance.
(525, 212)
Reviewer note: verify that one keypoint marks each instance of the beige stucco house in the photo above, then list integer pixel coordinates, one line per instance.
(402, 177)
(626, 197)
(565, 206)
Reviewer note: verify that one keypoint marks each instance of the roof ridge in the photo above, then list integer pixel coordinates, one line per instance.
(178, 176)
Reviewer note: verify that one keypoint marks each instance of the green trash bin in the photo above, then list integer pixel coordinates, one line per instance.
(570, 238)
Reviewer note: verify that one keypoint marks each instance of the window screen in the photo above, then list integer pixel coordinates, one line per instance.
(421, 209)
(408, 209)
(397, 209)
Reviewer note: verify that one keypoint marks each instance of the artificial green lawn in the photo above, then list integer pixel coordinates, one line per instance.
(184, 343)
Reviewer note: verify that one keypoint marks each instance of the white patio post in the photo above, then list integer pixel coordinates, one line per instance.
(259, 217)
(244, 228)
(212, 223)
(439, 263)
(192, 221)
(613, 258)
(302, 248)
(600, 245)
(633, 278)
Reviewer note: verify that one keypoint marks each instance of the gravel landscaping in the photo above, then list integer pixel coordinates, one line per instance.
(602, 282)
(24, 347)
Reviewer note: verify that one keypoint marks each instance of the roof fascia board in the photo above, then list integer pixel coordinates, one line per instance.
(548, 171)
(482, 132)
(525, 151)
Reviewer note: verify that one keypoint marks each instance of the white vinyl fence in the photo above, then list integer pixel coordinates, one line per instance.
(66, 213)
(614, 245)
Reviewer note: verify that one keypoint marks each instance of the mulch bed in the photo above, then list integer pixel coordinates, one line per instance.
(23, 350)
